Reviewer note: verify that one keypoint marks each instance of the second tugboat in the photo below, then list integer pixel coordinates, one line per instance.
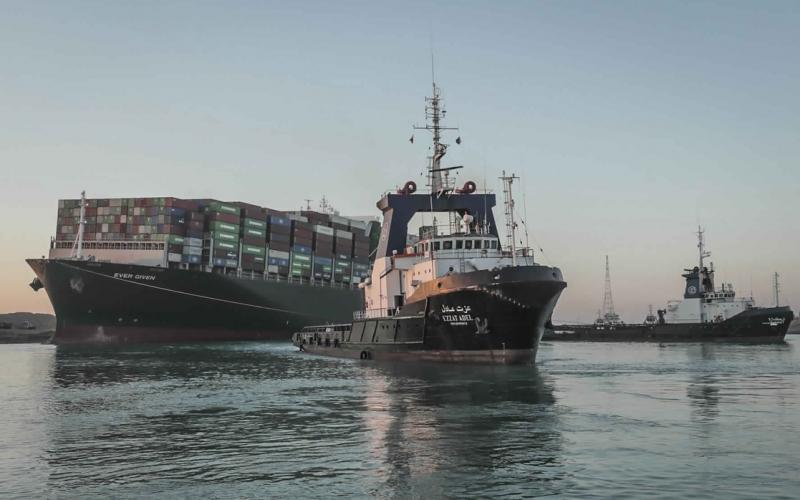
(706, 314)
(450, 296)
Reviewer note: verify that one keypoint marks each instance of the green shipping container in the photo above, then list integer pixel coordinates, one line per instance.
(250, 249)
(223, 236)
(223, 226)
(255, 223)
(174, 238)
(258, 233)
(226, 245)
(216, 206)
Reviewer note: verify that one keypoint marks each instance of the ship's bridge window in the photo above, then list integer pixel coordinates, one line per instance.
(436, 245)
(468, 245)
(447, 245)
(494, 244)
(459, 244)
(477, 244)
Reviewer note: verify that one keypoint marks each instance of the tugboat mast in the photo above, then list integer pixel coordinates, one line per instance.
(700, 274)
(511, 225)
(434, 113)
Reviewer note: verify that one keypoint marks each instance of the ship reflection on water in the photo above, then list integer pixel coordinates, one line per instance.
(264, 416)
(436, 428)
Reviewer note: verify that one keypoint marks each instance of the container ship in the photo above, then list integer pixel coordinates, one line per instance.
(180, 270)
(706, 314)
(455, 294)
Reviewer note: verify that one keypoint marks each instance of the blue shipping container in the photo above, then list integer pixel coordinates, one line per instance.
(280, 221)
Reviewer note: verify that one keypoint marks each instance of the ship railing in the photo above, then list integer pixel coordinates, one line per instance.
(254, 275)
(375, 313)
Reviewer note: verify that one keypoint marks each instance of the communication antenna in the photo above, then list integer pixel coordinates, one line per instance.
(609, 314)
(777, 290)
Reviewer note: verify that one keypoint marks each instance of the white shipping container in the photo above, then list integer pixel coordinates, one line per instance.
(272, 269)
(278, 254)
(193, 250)
(174, 257)
(323, 230)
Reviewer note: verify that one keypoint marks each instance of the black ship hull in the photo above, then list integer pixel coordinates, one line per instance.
(105, 302)
(482, 316)
(757, 325)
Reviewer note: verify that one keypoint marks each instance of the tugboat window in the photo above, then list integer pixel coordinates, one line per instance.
(477, 244)
(459, 244)
(448, 245)
(494, 245)
(468, 245)
(436, 245)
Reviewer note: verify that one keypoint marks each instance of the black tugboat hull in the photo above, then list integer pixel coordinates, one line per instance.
(478, 320)
(757, 325)
(99, 302)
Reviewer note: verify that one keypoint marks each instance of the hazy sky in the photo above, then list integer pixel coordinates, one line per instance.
(629, 122)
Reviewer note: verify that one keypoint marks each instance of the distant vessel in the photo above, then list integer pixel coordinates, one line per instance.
(706, 313)
(176, 270)
(454, 295)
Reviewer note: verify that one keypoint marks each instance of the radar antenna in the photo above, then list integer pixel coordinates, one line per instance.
(434, 114)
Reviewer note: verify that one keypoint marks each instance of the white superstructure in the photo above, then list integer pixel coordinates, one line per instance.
(702, 302)
(395, 278)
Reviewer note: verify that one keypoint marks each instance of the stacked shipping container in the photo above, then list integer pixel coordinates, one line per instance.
(254, 238)
(279, 231)
(222, 226)
(212, 234)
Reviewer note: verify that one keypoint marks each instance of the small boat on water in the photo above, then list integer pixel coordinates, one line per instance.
(706, 314)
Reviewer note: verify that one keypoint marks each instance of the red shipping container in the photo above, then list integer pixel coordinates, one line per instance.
(254, 241)
(229, 218)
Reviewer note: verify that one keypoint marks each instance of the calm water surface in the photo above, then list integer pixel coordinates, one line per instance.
(262, 420)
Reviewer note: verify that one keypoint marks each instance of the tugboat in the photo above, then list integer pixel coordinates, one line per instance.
(706, 314)
(452, 295)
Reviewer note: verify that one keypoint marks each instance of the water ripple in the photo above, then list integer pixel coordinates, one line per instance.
(261, 420)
